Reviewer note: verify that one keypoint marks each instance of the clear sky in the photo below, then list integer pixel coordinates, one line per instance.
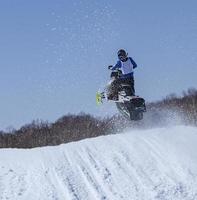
(54, 53)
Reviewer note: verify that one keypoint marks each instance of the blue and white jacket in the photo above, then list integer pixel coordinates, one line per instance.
(126, 67)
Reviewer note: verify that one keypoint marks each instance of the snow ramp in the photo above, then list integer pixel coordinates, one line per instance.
(136, 165)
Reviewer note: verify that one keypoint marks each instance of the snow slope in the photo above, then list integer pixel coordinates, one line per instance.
(137, 165)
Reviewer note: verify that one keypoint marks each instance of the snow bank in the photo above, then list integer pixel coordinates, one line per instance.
(137, 165)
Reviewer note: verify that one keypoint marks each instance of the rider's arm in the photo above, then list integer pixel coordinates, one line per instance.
(133, 63)
(117, 65)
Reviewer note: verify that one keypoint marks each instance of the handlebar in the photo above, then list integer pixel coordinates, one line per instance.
(110, 67)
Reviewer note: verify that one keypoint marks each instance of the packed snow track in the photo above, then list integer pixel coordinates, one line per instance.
(137, 165)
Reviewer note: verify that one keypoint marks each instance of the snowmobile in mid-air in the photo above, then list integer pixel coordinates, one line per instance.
(130, 106)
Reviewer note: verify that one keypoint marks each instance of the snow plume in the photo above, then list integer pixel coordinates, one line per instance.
(163, 118)
(154, 164)
(153, 118)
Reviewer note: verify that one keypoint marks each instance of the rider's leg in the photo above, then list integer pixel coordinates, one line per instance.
(132, 86)
(129, 81)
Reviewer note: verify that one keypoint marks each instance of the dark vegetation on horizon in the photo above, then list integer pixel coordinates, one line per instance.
(172, 109)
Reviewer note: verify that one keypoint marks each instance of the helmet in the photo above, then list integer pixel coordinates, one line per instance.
(122, 54)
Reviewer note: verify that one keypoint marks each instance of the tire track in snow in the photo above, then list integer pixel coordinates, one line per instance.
(69, 176)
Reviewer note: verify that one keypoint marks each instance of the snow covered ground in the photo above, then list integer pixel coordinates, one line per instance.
(137, 165)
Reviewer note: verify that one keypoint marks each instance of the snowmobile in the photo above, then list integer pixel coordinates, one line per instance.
(130, 106)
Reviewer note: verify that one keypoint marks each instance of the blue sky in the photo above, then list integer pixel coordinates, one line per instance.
(54, 54)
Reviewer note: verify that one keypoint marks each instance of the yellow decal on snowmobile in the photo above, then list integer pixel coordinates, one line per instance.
(98, 98)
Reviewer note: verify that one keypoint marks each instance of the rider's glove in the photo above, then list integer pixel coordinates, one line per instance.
(110, 66)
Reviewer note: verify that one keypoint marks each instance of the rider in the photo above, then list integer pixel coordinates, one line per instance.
(126, 65)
